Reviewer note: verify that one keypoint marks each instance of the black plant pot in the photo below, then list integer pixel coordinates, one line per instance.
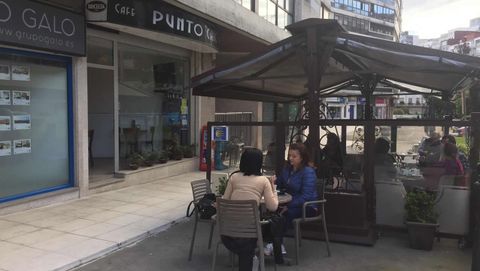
(148, 163)
(421, 235)
(133, 166)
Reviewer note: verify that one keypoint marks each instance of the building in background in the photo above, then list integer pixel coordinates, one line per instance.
(380, 19)
(375, 18)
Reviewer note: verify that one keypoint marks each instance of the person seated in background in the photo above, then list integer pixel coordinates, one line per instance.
(385, 169)
(450, 161)
(249, 184)
(430, 151)
(269, 163)
(461, 155)
(332, 163)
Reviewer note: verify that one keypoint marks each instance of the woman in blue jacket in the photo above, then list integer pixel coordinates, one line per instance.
(299, 180)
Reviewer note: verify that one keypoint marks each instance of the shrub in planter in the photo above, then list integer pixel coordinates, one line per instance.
(150, 159)
(135, 161)
(222, 185)
(188, 151)
(421, 219)
(163, 158)
(177, 153)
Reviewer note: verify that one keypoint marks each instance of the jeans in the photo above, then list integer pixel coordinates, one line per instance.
(244, 248)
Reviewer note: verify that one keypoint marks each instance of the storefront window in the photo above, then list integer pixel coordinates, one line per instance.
(34, 124)
(153, 102)
(99, 51)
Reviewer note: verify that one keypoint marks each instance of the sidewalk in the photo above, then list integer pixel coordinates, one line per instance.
(168, 251)
(63, 236)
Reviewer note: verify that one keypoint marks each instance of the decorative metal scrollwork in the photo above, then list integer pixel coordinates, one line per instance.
(298, 133)
(358, 138)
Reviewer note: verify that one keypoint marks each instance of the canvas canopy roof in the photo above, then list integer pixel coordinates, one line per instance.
(279, 74)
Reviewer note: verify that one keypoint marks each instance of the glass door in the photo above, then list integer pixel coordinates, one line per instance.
(101, 145)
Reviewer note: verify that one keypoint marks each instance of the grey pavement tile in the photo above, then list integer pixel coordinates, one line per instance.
(73, 225)
(97, 229)
(103, 215)
(129, 208)
(125, 219)
(36, 237)
(50, 221)
(4, 224)
(15, 231)
(56, 244)
(87, 249)
(7, 247)
(20, 259)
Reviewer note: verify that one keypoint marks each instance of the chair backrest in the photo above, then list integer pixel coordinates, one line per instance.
(453, 208)
(390, 203)
(238, 218)
(446, 180)
(200, 188)
(321, 188)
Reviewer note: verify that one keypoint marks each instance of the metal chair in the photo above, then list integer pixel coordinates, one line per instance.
(241, 219)
(304, 219)
(199, 189)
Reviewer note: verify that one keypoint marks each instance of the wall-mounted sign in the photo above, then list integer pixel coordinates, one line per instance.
(31, 24)
(152, 15)
(220, 133)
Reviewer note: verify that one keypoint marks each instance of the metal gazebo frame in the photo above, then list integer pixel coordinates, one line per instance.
(321, 59)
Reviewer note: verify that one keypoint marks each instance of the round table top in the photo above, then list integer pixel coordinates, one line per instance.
(282, 199)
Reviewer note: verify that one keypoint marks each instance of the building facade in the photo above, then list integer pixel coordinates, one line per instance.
(87, 85)
(377, 18)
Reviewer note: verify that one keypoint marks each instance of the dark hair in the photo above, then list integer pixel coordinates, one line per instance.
(382, 145)
(302, 150)
(450, 150)
(251, 162)
(449, 139)
(333, 139)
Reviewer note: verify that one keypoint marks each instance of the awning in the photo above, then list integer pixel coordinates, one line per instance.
(277, 74)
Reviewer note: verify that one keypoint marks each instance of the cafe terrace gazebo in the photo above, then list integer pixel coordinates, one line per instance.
(321, 59)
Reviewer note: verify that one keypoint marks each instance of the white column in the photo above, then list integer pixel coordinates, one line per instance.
(80, 123)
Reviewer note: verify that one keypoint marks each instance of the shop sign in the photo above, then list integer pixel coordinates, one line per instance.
(152, 15)
(30, 24)
(380, 101)
(220, 133)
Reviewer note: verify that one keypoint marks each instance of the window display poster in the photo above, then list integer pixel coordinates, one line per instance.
(21, 97)
(20, 73)
(22, 146)
(5, 123)
(22, 122)
(5, 148)
(4, 72)
(5, 98)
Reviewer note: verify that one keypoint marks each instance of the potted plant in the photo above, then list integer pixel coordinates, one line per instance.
(188, 151)
(421, 219)
(177, 153)
(163, 157)
(222, 185)
(135, 161)
(151, 159)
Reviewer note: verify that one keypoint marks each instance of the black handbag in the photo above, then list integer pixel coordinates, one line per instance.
(205, 206)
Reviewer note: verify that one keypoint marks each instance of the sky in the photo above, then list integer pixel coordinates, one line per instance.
(431, 18)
